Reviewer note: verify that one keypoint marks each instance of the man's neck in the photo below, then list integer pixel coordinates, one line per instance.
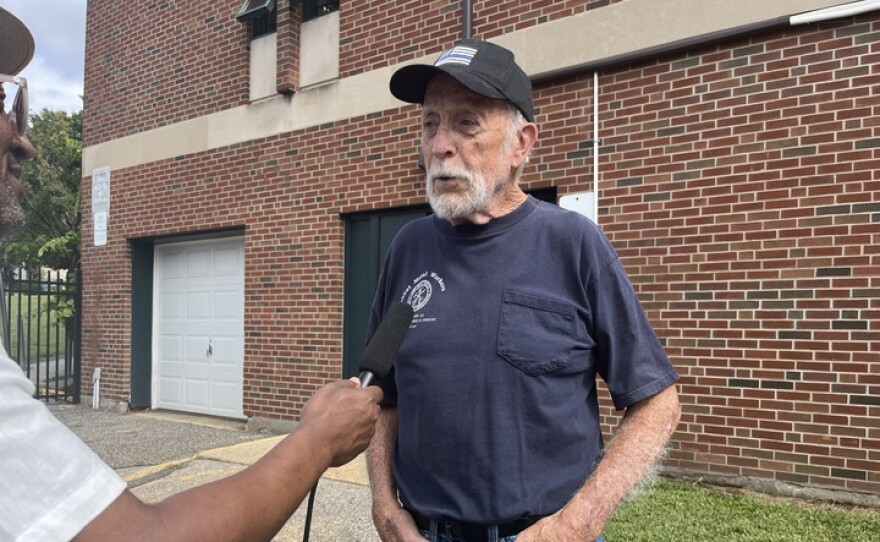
(504, 202)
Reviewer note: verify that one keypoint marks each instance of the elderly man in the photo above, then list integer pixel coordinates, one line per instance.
(55, 488)
(490, 426)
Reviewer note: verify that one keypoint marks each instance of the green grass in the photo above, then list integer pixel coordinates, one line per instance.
(35, 315)
(681, 511)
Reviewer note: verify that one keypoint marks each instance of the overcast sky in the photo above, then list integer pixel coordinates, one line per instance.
(55, 74)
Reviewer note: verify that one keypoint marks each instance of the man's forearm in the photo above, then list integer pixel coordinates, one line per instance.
(393, 522)
(637, 443)
(379, 458)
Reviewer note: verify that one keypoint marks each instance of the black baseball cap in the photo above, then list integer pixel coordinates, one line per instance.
(485, 68)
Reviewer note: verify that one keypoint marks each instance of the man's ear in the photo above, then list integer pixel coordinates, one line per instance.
(527, 135)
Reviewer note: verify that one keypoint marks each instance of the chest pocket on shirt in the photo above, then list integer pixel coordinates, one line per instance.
(535, 334)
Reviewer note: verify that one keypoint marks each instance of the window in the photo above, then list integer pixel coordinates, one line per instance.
(254, 8)
(264, 24)
(319, 42)
(312, 9)
(261, 15)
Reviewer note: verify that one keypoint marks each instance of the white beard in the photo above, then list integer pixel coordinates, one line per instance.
(459, 205)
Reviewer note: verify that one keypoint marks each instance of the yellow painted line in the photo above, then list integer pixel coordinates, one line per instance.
(354, 472)
(149, 471)
(217, 454)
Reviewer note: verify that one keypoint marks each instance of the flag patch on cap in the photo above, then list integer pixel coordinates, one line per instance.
(457, 55)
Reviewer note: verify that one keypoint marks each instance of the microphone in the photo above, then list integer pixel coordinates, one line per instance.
(379, 355)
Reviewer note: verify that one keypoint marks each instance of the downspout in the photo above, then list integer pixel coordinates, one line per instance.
(96, 388)
(596, 146)
(467, 19)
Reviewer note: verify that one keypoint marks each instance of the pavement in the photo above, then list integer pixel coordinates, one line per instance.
(163, 453)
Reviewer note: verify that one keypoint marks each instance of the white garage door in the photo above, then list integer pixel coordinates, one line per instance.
(199, 351)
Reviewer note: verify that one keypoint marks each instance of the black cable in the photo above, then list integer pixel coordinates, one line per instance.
(309, 507)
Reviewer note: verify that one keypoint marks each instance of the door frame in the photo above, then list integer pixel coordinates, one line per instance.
(142, 293)
(353, 320)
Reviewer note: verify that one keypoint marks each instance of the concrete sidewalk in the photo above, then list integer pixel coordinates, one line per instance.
(160, 454)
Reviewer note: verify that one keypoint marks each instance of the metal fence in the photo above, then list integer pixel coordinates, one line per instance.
(41, 330)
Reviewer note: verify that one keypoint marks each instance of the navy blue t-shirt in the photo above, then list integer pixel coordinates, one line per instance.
(495, 384)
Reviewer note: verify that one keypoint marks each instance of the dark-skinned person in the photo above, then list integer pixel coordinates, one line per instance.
(54, 488)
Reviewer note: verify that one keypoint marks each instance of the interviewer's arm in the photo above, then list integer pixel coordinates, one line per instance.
(336, 425)
(638, 441)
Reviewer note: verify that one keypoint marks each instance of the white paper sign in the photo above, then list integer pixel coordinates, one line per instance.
(101, 190)
(582, 202)
(100, 228)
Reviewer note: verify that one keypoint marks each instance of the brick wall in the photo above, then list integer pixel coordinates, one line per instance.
(739, 186)
(741, 190)
(288, 191)
(157, 63)
(149, 64)
(289, 20)
(372, 36)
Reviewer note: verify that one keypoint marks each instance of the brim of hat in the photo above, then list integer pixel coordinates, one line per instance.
(410, 82)
(16, 44)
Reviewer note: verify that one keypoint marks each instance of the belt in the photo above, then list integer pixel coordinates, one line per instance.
(474, 531)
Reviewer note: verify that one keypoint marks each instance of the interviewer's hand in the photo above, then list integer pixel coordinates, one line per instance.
(345, 415)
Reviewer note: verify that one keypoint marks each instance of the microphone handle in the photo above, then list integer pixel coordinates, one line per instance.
(367, 378)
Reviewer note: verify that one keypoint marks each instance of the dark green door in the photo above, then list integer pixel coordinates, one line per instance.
(367, 238)
(141, 324)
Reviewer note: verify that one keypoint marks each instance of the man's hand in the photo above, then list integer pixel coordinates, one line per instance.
(555, 528)
(395, 524)
(636, 444)
(345, 415)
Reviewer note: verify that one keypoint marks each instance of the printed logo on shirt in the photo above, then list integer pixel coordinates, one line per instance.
(419, 293)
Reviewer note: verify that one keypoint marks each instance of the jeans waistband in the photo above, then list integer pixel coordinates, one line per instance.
(474, 531)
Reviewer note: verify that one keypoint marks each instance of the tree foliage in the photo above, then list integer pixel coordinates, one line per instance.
(52, 183)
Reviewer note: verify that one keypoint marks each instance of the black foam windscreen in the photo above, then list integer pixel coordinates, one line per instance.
(381, 351)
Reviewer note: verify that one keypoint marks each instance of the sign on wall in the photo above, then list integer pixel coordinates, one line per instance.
(100, 203)
(581, 202)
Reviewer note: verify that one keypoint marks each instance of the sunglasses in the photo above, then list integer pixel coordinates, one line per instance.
(18, 113)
